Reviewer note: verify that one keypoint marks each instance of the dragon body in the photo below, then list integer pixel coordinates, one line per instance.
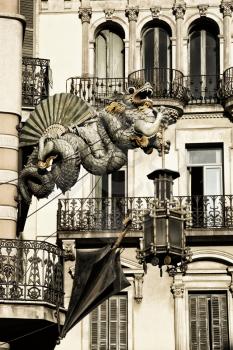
(67, 133)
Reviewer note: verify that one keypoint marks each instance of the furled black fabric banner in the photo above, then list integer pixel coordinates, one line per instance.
(98, 276)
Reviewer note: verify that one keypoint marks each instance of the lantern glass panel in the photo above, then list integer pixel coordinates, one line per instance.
(175, 232)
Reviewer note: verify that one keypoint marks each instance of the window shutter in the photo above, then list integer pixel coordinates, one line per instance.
(103, 333)
(113, 324)
(109, 325)
(219, 322)
(94, 329)
(203, 322)
(123, 323)
(193, 323)
(199, 328)
(26, 9)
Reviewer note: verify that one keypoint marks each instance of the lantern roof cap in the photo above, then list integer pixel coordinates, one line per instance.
(156, 173)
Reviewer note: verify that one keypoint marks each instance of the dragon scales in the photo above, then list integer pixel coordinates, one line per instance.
(66, 133)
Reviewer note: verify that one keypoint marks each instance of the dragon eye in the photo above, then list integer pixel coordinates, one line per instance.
(131, 89)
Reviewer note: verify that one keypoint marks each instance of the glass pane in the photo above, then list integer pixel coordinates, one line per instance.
(195, 57)
(205, 156)
(148, 49)
(213, 182)
(211, 54)
(163, 48)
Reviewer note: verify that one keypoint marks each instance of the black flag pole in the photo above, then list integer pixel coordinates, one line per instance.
(98, 275)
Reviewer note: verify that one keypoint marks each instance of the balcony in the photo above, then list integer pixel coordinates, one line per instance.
(96, 91)
(35, 81)
(31, 275)
(203, 89)
(168, 85)
(227, 90)
(98, 220)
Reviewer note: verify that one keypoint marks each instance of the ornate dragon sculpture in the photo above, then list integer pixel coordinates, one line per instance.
(67, 132)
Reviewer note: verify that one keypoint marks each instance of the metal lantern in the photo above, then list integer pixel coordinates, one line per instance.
(164, 239)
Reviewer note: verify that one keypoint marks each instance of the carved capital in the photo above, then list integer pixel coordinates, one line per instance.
(85, 14)
(132, 13)
(179, 10)
(203, 9)
(226, 8)
(109, 13)
(155, 12)
(138, 282)
(177, 290)
(69, 250)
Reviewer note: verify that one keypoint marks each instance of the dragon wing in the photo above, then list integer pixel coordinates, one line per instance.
(53, 115)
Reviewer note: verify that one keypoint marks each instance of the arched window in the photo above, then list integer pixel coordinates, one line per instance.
(156, 45)
(109, 52)
(156, 56)
(204, 58)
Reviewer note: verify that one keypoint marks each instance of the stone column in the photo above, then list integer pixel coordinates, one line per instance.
(179, 315)
(132, 14)
(11, 39)
(85, 15)
(226, 9)
(179, 11)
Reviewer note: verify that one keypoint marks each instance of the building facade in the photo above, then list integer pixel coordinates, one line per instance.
(98, 49)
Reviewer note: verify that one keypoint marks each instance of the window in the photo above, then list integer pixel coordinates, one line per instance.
(156, 56)
(204, 59)
(156, 45)
(208, 322)
(113, 194)
(26, 9)
(109, 52)
(205, 167)
(206, 185)
(109, 325)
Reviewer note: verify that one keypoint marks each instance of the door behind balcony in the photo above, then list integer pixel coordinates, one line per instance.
(206, 185)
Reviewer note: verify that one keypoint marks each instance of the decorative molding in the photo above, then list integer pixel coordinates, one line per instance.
(109, 13)
(8, 213)
(179, 10)
(203, 9)
(177, 290)
(226, 8)
(132, 13)
(9, 141)
(138, 291)
(85, 14)
(69, 250)
(9, 176)
(44, 4)
(155, 12)
(202, 116)
(67, 4)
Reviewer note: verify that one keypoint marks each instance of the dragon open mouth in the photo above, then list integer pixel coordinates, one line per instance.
(144, 94)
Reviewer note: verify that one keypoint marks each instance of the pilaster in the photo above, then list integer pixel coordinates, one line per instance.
(132, 14)
(179, 12)
(177, 290)
(85, 16)
(226, 9)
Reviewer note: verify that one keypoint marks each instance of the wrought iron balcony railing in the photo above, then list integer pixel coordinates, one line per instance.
(203, 89)
(35, 81)
(227, 83)
(166, 82)
(31, 271)
(104, 214)
(96, 91)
